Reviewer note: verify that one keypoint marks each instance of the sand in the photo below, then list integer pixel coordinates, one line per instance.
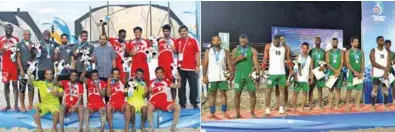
(17, 129)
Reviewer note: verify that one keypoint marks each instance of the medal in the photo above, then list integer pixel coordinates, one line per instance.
(356, 57)
(334, 57)
(216, 56)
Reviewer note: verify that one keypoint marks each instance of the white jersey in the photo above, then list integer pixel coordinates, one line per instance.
(216, 65)
(381, 59)
(305, 68)
(276, 60)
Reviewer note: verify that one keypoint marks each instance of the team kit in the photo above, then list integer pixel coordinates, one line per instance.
(115, 74)
(312, 69)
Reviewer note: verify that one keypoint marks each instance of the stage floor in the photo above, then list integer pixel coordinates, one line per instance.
(315, 120)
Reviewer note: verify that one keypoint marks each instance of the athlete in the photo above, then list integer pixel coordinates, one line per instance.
(72, 101)
(167, 47)
(50, 94)
(388, 47)
(158, 98)
(380, 60)
(96, 92)
(244, 59)
(119, 44)
(303, 76)
(356, 67)
(9, 65)
(136, 49)
(136, 94)
(283, 42)
(115, 91)
(214, 63)
(334, 59)
(278, 56)
(318, 55)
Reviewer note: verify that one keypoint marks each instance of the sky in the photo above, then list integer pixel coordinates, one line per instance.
(69, 11)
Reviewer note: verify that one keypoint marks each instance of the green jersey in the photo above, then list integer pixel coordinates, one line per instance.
(355, 59)
(244, 67)
(334, 60)
(317, 55)
(44, 89)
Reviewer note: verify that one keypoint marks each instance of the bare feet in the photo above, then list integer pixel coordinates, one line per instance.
(253, 115)
(294, 109)
(237, 117)
(348, 109)
(6, 109)
(386, 108)
(301, 109)
(372, 108)
(40, 130)
(212, 116)
(173, 128)
(359, 108)
(54, 130)
(225, 115)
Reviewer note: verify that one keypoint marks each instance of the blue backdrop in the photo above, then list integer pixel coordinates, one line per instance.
(377, 19)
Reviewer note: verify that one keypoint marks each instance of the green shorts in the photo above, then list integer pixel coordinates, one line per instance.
(319, 83)
(339, 82)
(244, 82)
(48, 108)
(304, 86)
(221, 85)
(350, 82)
(281, 80)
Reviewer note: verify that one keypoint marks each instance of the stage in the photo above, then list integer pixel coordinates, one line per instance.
(315, 120)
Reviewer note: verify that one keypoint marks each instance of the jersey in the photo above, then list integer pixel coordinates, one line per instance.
(117, 92)
(139, 46)
(44, 89)
(166, 56)
(244, 67)
(216, 65)
(276, 60)
(381, 59)
(317, 55)
(158, 88)
(137, 94)
(334, 60)
(72, 92)
(8, 59)
(305, 68)
(119, 49)
(93, 92)
(355, 59)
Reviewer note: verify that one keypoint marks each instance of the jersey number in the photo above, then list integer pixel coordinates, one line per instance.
(278, 53)
(381, 56)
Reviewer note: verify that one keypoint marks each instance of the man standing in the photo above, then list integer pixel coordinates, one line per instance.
(83, 45)
(9, 65)
(158, 98)
(118, 44)
(334, 59)
(137, 49)
(214, 63)
(355, 63)
(24, 56)
(245, 58)
(380, 59)
(278, 55)
(188, 51)
(283, 42)
(65, 54)
(166, 55)
(303, 76)
(104, 57)
(388, 47)
(318, 55)
(47, 55)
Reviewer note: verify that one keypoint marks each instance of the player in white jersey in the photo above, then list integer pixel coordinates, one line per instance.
(303, 76)
(214, 63)
(277, 54)
(380, 60)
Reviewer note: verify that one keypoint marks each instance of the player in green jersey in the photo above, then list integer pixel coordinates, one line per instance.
(318, 55)
(355, 63)
(334, 60)
(388, 47)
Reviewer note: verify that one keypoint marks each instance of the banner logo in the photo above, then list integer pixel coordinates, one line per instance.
(378, 10)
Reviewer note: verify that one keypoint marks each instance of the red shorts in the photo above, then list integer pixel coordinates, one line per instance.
(71, 103)
(160, 103)
(9, 74)
(143, 66)
(95, 105)
(118, 106)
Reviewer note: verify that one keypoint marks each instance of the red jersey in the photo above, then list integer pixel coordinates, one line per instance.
(165, 50)
(158, 89)
(117, 92)
(72, 92)
(189, 48)
(140, 46)
(93, 92)
(119, 49)
(6, 57)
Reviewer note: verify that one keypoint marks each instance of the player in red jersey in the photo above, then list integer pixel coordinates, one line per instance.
(119, 47)
(158, 98)
(72, 101)
(9, 65)
(136, 49)
(166, 55)
(96, 92)
(115, 91)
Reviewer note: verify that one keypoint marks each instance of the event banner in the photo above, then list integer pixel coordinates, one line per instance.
(377, 20)
(296, 36)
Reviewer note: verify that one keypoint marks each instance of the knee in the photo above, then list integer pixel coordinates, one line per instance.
(144, 109)
(177, 107)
